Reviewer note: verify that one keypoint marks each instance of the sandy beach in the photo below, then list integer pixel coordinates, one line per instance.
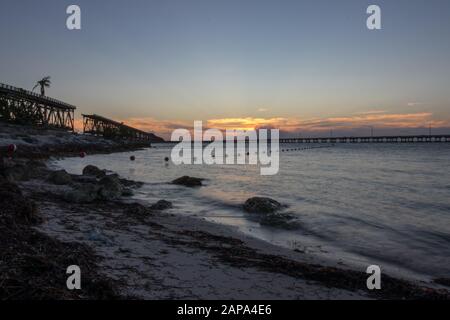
(128, 249)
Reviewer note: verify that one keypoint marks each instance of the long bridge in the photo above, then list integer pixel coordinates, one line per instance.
(25, 107)
(101, 126)
(375, 139)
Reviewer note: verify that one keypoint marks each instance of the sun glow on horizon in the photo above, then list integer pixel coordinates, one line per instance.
(377, 119)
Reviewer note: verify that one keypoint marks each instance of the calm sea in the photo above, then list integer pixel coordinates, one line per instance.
(386, 204)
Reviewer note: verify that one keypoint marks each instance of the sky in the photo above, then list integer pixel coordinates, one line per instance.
(305, 67)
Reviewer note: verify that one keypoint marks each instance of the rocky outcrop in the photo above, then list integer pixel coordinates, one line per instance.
(110, 188)
(93, 171)
(161, 205)
(262, 205)
(88, 188)
(188, 181)
(60, 177)
(85, 193)
(268, 213)
(127, 192)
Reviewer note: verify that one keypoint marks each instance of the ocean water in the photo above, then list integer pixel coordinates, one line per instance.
(384, 204)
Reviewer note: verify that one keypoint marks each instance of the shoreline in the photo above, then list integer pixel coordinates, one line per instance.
(138, 252)
(139, 245)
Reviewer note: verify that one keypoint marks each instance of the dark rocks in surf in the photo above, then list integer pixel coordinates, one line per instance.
(85, 193)
(60, 177)
(110, 188)
(268, 214)
(127, 192)
(188, 181)
(161, 205)
(91, 170)
(262, 205)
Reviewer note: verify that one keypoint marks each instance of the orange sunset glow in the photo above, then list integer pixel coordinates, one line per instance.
(376, 119)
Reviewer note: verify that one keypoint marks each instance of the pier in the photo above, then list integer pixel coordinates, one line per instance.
(101, 126)
(21, 106)
(378, 139)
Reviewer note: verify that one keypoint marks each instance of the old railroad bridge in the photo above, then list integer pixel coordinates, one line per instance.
(98, 125)
(25, 107)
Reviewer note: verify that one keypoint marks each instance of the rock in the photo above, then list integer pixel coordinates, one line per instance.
(85, 193)
(93, 171)
(262, 205)
(85, 179)
(188, 181)
(161, 205)
(110, 188)
(60, 177)
(127, 192)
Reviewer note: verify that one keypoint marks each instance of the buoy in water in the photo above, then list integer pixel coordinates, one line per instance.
(83, 154)
(166, 159)
(132, 158)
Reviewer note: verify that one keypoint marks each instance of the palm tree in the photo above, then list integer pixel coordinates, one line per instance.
(43, 83)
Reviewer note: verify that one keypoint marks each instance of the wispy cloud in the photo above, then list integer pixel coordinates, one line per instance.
(375, 119)
(415, 104)
(371, 112)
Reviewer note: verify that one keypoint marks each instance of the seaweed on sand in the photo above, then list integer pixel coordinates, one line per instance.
(33, 265)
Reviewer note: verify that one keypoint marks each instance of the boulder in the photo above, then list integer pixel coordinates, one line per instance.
(93, 171)
(262, 205)
(85, 179)
(85, 193)
(161, 205)
(110, 188)
(60, 177)
(188, 181)
(127, 192)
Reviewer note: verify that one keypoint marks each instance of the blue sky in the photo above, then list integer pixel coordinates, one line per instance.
(171, 62)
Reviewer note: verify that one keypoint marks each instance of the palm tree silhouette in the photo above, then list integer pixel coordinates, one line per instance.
(43, 83)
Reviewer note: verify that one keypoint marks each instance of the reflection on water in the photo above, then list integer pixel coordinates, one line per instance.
(385, 204)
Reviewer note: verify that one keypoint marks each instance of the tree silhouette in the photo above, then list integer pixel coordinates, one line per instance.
(43, 83)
